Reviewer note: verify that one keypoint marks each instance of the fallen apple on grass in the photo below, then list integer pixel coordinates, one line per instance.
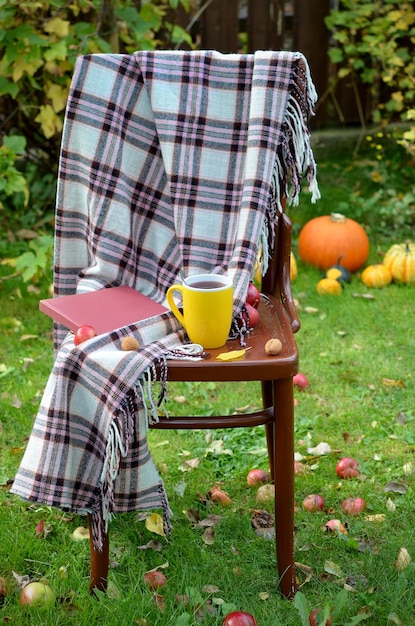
(335, 525)
(347, 468)
(37, 594)
(155, 579)
(257, 477)
(239, 618)
(4, 590)
(83, 333)
(313, 618)
(265, 493)
(353, 506)
(313, 502)
(301, 381)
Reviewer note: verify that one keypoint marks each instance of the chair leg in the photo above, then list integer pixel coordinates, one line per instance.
(99, 564)
(284, 483)
(267, 401)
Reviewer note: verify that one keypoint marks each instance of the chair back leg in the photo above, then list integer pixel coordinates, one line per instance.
(99, 563)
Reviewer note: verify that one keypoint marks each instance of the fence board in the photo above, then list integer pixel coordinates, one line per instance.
(220, 26)
(265, 25)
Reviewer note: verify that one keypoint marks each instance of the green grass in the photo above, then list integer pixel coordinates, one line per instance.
(358, 354)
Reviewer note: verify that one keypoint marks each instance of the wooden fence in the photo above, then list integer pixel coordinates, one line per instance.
(249, 25)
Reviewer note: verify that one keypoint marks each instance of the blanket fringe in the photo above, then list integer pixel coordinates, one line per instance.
(119, 439)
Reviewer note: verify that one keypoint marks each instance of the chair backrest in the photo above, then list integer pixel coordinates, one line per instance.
(141, 135)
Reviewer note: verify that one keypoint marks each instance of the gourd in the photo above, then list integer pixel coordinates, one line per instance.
(400, 260)
(325, 239)
(338, 272)
(293, 267)
(257, 270)
(377, 275)
(329, 286)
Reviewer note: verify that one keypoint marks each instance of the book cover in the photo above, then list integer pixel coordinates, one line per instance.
(104, 309)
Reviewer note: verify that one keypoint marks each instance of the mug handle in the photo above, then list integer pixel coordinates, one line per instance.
(172, 304)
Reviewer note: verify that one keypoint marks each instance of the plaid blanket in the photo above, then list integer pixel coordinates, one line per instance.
(172, 163)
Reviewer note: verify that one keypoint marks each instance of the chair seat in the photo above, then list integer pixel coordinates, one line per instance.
(255, 364)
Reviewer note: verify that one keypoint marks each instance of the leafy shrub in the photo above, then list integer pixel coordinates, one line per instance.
(39, 44)
(374, 40)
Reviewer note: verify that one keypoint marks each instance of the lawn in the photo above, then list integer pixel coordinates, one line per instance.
(358, 354)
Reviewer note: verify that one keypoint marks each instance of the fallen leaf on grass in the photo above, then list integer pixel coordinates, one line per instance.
(209, 536)
(154, 523)
(209, 521)
(151, 545)
(17, 404)
(403, 560)
(320, 450)
(189, 465)
(306, 570)
(192, 515)
(330, 567)
(390, 505)
(377, 517)
(396, 487)
(389, 382)
(80, 534)
(27, 337)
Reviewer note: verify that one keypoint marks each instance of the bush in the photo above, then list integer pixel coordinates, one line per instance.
(374, 41)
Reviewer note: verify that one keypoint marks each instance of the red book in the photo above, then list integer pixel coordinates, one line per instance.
(104, 309)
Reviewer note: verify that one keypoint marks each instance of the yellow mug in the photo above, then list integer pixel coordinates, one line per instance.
(207, 301)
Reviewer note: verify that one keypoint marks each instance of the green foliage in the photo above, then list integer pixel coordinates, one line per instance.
(375, 42)
(35, 262)
(12, 181)
(39, 44)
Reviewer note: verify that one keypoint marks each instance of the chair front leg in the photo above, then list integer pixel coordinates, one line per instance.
(284, 483)
(99, 563)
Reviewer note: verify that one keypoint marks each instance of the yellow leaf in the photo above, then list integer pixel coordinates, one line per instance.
(49, 121)
(80, 533)
(21, 66)
(389, 382)
(232, 355)
(57, 26)
(58, 95)
(343, 72)
(154, 523)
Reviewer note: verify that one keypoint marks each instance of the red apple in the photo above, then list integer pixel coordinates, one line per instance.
(251, 316)
(313, 502)
(313, 618)
(239, 618)
(353, 506)
(335, 525)
(155, 579)
(347, 468)
(83, 333)
(301, 381)
(257, 477)
(299, 468)
(253, 296)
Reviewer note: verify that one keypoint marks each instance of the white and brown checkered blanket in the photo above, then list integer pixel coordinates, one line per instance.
(172, 163)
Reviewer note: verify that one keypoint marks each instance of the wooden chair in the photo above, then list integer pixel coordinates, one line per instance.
(278, 318)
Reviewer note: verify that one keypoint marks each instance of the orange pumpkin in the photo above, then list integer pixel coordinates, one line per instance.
(325, 239)
(376, 276)
(400, 260)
